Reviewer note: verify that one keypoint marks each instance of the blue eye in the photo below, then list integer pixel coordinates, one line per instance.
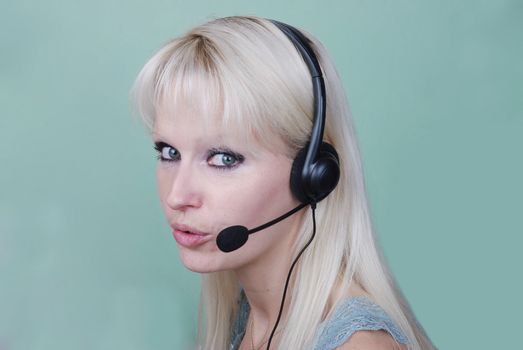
(224, 159)
(167, 152)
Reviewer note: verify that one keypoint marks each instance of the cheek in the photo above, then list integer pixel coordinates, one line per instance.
(265, 196)
(163, 184)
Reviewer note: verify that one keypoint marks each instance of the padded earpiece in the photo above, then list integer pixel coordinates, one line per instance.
(314, 184)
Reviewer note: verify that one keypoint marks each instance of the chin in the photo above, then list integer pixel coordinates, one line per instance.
(200, 263)
(198, 268)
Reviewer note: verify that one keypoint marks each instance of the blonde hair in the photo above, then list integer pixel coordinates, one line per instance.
(246, 70)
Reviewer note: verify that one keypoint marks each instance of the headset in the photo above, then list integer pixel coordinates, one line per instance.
(315, 170)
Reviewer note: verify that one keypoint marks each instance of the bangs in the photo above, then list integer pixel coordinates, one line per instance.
(192, 72)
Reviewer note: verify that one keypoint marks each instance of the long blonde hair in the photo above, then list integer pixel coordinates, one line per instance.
(247, 69)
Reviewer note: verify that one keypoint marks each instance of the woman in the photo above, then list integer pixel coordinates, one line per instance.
(231, 104)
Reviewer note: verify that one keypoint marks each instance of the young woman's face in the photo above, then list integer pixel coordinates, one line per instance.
(208, 179)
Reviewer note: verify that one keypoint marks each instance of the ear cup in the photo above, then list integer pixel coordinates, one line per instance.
(296, 176)
(320, 179)
(325, 172)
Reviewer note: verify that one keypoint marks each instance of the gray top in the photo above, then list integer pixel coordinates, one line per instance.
(350, 315)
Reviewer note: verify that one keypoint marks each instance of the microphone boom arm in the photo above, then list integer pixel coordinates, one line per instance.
(278, 219)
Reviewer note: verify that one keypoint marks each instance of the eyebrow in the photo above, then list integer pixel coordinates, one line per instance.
(156, 133)
(158, 137)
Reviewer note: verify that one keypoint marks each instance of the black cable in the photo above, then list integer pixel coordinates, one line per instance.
(313, 207)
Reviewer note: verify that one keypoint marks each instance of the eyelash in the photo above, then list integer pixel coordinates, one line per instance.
(159, 146)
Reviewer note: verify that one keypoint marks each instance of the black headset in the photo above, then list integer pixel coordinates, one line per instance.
(315, 170)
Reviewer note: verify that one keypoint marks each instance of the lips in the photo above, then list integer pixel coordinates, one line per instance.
(188, 229)
(189, 237)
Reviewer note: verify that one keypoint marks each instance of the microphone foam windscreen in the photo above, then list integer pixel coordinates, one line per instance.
(232, 238)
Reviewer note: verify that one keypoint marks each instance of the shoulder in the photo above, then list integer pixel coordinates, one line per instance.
(359, 323)
(371, 340)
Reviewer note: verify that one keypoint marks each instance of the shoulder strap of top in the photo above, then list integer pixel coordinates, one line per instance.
(238, 329)
(351, 315)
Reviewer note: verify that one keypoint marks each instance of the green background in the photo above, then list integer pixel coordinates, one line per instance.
(87, 260)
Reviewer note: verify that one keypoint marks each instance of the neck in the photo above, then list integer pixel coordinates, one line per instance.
(263, 285)
(263, 282)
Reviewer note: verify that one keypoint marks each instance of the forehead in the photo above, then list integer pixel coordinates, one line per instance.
(190, 119)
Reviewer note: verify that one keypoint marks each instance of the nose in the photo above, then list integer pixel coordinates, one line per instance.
(183, 190)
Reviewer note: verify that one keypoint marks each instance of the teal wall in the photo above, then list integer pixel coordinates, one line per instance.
(86, 258)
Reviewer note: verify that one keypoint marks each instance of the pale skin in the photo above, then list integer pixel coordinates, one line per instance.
(208, 180)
